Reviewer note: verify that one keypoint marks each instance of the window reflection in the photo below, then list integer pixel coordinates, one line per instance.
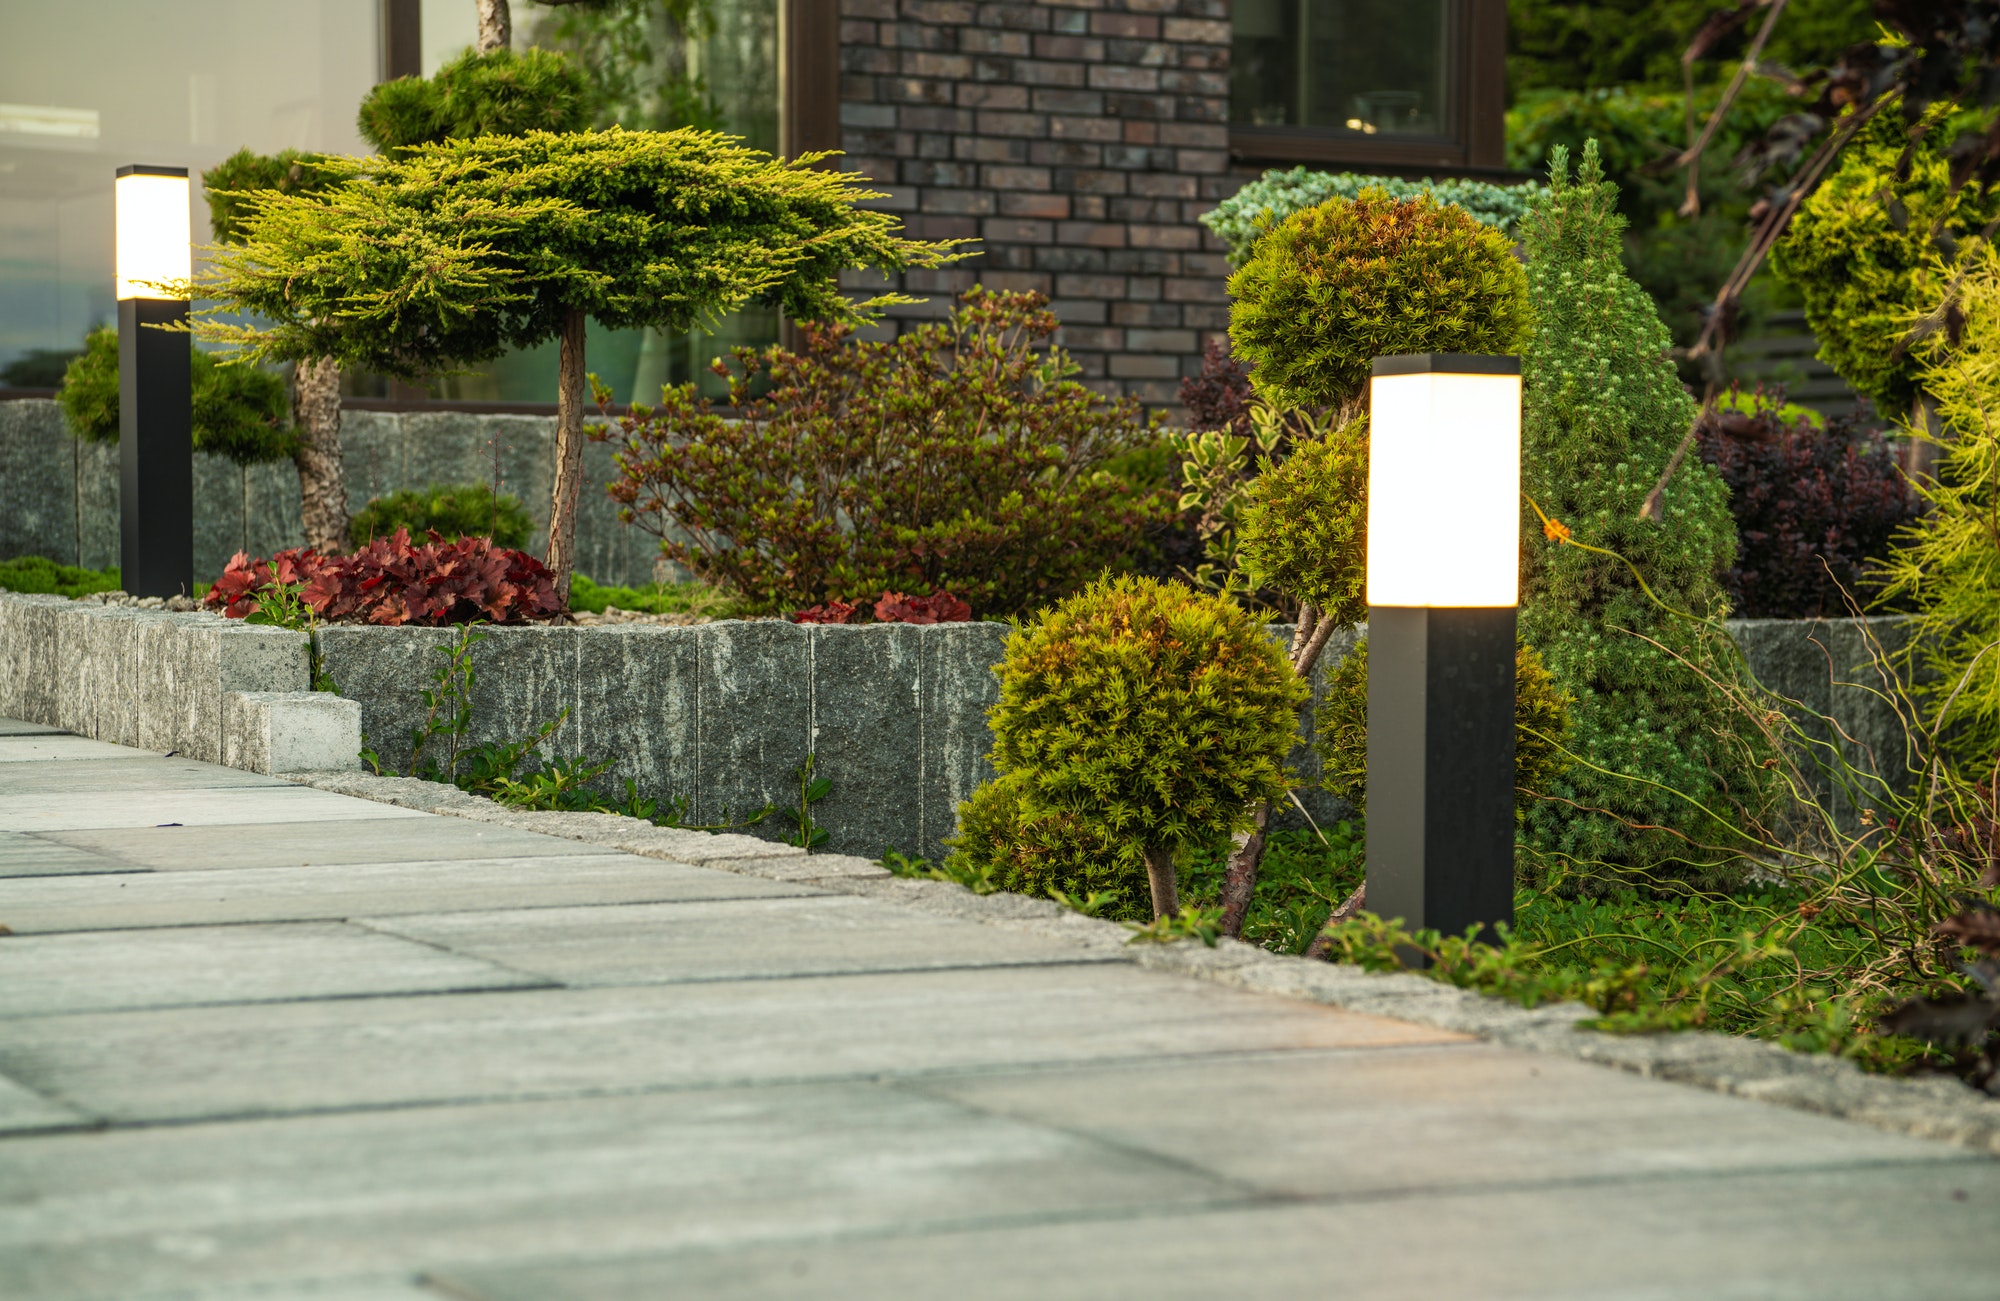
(1377, 67)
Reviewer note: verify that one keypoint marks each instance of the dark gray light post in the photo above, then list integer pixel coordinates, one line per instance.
(155, 391)
(1444, 482)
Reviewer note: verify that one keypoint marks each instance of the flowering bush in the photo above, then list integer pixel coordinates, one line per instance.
(390, 581)
(1812, 507)
(960, 455)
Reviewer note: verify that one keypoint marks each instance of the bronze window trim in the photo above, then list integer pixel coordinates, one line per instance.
(1479, 145)
(402, 40)
(808, 77)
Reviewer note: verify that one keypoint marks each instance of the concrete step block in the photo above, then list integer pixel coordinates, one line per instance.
(290, 731)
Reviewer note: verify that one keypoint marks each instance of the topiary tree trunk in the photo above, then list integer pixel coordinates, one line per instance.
(561, 558)
(496, 26)
(322, 481)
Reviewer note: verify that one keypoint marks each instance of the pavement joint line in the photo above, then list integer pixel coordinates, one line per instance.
(541, 984)
(1938, 1108)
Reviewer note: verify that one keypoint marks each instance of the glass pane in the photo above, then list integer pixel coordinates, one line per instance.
(88, 88)
(1379, 67)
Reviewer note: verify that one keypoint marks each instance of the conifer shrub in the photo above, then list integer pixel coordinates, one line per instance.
(1541, 728)
(240, 412)
(1245, 215)
(451, 510)
(1335, 286)
(1304, 531)
(1136, 719)
(499, 93)
(1860, 251)
(960, 456)
(1663, 772)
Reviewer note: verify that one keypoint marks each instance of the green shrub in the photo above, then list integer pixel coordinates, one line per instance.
(1541, 728)
(240, 412)
(226, 184)
(499, 93)
(1243, 217)
(1304, 530)
(1947, 563)
(654, 598)
(37, 575)
(454, 510)
(1136, 719)
(957, 457)
(1333, 287)
(1867, 267)
(1602, 413)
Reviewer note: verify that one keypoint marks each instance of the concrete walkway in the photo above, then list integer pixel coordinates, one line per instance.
(260, 1040)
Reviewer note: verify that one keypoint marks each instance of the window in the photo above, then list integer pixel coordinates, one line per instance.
(1409, 83)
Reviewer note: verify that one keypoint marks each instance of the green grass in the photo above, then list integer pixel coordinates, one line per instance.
(37, 575)
(654, 598)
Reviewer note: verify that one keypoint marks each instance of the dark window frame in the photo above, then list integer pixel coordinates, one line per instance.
(1478, 144)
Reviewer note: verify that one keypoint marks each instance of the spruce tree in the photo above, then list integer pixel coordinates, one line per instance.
(1603, 412)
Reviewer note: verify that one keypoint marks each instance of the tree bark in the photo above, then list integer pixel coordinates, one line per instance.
(1323, 941)
(569, 456)
(322, 483)
(1160, 874)
(496, 26)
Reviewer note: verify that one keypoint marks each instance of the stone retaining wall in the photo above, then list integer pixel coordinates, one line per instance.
(718, 716)
(59, 495)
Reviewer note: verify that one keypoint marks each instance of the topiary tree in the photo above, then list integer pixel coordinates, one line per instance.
(1333, 287)
(239, 411)
(1304, 530)
(451, 510)
(491, 93)
(1861, 252)
(1135, 719)
(1603, 412)
(448, 254)
(315, 397)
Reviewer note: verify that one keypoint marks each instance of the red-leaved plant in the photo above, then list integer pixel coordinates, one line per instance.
(391, 581)
(893, 607)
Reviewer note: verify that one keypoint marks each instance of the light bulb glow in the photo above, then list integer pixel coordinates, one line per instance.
(154, 233)
(1444, 486)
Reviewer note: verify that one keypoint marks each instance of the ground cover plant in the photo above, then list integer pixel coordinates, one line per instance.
(394, 581)
(962, 456)
(890, 607)
(1137, 721)
(694, 598)
(451, 510)
(38, 575)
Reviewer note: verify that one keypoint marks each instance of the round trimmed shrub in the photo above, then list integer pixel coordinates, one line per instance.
(1305, 529)
(239, 411)
(1335, 286)
(452, 510)
(499, 93)
(1136, 718)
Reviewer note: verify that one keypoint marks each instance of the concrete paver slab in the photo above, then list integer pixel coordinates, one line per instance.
(107, 970)
(84, 777)
(15, 727)
(45, 747)
(727, 940)
(380, 1052)
(335, 892)
(22, 1110)
(1395, 1120)
(374, 1192)
(284, 804)
(25, 855)
(1875, 1233)
(386, 840)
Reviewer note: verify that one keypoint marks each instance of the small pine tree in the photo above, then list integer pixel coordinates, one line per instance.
(1602, 414)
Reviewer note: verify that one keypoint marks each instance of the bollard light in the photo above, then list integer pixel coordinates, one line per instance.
(155, 390)
(1444, 482)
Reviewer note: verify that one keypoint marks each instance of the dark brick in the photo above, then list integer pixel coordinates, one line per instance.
(1104, 130)
(1182, 289)
(1069, 47)
(1080, 180)
(1075, 286)
(1056, 257)
(1154, 210)
(1174, 341)
(1127, 366)
(1052, 207)
(979, 95)
(1135, 25)
(1162, 185)
(1017, 230)
(1140, 54)
(1038, 72)
(1068, 101)
(857, 57)
(922, 172)
(1091, 234)
(1142, 262)
(1197, 135)
(1015, 178)
(984, 39)
(1079, 311)
(929, 63)
(1114, 76)
(1065, 153)
(976, 203)
(1087, 207)
(1096, 339)
(1015, 282)
(1165, 237)
(1013, 124)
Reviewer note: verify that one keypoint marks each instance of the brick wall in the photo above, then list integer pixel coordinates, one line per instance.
(1077, 140)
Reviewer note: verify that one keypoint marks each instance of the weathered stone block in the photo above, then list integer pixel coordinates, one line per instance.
(755, 719)
(866, 732)
(290, 731)
(97, 505)
(371, 454)
(525, 678)
(652, 673)
(957, 687)
(112, 648)
(387, 670)
(218, 514)
(27, 652)
(37, 482)
(272, 514)
(458, 447)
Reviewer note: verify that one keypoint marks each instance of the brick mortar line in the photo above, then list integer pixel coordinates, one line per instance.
(1931, 1107)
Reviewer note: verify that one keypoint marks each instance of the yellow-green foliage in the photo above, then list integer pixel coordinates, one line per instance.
(1135, 714)
(1335, 286)
(1860, 251)
(1305, 530)
(1948, 564)
(1541, 728)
